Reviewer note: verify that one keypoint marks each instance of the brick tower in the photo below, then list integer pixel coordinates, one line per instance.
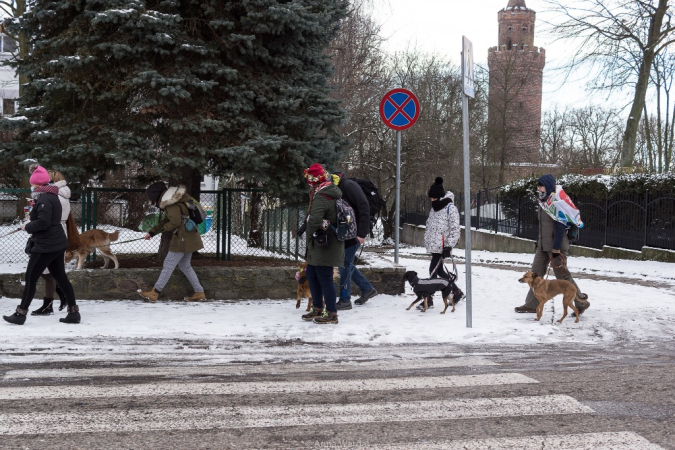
(516, 67)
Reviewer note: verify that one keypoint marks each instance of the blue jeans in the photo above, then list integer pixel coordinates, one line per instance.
(350, 273)
(320, 279)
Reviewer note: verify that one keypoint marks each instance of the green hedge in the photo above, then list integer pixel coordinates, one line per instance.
(598, 186)
(591, 187)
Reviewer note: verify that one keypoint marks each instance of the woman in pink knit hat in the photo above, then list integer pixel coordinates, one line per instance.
(46, 247)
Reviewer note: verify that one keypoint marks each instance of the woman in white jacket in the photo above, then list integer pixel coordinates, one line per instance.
(442, 232)
(51, 287)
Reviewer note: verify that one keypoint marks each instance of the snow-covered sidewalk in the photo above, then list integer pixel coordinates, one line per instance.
(619, 312)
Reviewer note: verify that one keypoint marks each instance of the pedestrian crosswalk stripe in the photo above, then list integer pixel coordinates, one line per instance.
(585, 441)
(244, 369)
(261, 387)
(144, 350)
(137, 420)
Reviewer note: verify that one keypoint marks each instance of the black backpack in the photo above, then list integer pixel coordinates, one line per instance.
(374, 200)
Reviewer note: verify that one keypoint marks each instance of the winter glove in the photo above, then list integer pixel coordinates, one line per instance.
(322, 238)
(556, 261)
(447, 251)
(302, 229)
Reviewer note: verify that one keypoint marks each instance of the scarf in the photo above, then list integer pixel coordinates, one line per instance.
(559, 207)
(437, 205)
(46, 189)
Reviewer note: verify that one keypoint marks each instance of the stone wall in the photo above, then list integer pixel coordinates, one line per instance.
(220, 283)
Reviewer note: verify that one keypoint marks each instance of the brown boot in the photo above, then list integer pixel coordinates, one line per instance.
(327, 317)
(196, 297)
(312, 314)
(152, 295)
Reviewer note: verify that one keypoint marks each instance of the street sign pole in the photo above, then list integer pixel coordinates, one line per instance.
(397, 220)
(467, 84)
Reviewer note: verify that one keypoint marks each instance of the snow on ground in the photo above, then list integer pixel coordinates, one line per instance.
(620, 312)
(644, 270)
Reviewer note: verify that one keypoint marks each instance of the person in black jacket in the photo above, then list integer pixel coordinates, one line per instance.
(353, 194)
(47, 245)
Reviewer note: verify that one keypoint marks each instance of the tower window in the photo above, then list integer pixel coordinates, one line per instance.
(510, 28)
(524, 28)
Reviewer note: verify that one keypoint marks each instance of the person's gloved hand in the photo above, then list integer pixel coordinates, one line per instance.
(302, 229)
(556, 261)
(447, 251)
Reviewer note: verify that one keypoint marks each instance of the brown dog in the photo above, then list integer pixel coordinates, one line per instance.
(545, 290)
(94, 239)
(303, 286)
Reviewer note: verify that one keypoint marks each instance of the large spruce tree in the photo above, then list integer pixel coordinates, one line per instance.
(179, 86)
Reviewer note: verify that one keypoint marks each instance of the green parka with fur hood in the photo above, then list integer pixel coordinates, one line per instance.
(323, 207)
(172, 201)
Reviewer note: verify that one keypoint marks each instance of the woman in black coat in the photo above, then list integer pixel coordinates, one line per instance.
(47, 245)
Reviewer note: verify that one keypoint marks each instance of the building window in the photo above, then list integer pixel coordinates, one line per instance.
(8, 44)
(8, 107)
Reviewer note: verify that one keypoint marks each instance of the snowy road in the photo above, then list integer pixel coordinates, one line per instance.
(400, 397)
(253, 375)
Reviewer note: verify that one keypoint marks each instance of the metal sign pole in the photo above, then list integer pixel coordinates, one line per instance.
(467, 83)
(397, 219)
(467, 207)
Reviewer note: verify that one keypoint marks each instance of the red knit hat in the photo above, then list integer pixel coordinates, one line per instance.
(39, 177)
(316, 174)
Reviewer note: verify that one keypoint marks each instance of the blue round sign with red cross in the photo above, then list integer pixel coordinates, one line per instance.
(399, 109)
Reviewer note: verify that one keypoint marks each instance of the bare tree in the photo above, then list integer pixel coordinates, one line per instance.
(554, 135)
(620, 38)
(596, 130)
(659, 130)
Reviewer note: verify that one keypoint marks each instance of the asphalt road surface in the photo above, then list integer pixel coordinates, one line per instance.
(290, 395)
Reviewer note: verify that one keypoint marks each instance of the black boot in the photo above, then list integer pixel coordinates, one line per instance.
(46, 309)
(19, 317)
(73, 315)
(62, 297)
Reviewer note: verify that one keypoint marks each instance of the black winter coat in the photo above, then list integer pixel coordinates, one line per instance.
(45, 225)
(352, 192)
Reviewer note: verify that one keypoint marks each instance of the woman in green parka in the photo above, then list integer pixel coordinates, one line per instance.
(324, 251)
(183, 242)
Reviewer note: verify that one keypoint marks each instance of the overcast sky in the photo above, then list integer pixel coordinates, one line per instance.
(437, 26)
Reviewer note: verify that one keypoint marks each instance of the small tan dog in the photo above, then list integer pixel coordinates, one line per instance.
(94, 239)
(303, 286)
(544, 290)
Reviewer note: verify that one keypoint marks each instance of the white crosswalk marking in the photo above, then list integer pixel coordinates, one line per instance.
(283, 387)
(586, 441)
(291, 415)
(245, 369)
(151, 409)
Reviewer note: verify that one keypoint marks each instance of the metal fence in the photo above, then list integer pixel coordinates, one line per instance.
(240, 223)
(629, 221)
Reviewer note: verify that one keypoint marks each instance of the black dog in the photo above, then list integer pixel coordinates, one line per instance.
(424, 289)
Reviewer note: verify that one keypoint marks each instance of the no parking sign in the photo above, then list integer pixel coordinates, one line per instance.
(399, 109)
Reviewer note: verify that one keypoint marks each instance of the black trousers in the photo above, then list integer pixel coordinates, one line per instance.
(37, 264)
(441, 272)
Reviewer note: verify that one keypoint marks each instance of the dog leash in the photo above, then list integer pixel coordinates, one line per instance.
(122, 242)
(10, 233)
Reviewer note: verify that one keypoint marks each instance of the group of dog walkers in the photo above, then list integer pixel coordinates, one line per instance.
(50, 238)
